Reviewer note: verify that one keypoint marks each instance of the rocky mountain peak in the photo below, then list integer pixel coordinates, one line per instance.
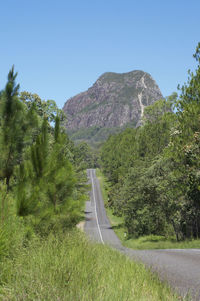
(115, 100)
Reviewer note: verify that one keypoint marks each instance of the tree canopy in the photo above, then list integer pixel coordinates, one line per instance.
(154, 170)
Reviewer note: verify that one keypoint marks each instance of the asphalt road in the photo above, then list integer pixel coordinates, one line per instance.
(180, 268)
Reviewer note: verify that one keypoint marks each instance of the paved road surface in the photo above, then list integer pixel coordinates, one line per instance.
(180, 268)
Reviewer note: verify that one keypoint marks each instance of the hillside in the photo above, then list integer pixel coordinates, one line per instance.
(113, 102)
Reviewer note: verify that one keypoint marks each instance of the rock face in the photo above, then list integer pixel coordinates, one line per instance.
(114, 101)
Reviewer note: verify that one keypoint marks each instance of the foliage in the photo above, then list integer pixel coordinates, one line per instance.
(45, 109)
(38, 170)
(85, 156)
(154, 170)
(94, 135)
(12, 127)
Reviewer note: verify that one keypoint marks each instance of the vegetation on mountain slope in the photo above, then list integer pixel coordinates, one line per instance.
(114, 102)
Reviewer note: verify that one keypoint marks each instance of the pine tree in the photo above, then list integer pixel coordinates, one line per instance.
(59, 173)
(12, 128)
(31, 178)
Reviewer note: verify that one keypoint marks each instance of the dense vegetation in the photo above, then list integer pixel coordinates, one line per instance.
(154, 171)
(43, 188)
(94, 136)
(42, 180)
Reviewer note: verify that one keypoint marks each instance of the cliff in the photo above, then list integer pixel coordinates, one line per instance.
(114, 101)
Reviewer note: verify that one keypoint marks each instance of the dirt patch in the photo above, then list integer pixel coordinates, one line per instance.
(81, 225)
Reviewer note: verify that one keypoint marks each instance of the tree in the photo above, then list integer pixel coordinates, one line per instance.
(31, 181)
(59, 171)
(45, 109)
(12, 113)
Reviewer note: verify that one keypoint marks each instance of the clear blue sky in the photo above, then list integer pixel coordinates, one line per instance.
(60, 48)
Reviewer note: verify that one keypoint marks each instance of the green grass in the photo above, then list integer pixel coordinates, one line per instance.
(144, 242)
(69, 267)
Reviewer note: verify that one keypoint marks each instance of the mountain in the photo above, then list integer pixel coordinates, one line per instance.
(115, 101)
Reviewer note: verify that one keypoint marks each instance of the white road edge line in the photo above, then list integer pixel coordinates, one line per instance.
(95, 207)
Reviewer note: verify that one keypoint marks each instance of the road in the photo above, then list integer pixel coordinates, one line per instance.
(180, 268)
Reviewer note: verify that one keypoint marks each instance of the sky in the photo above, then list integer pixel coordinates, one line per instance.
(60, 48)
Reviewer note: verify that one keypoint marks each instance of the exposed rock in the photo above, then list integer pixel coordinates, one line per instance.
(112, 102)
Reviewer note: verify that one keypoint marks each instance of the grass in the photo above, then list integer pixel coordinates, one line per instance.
(69, 267)
(144, 242)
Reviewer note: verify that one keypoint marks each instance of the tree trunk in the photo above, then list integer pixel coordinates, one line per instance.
(175, 230)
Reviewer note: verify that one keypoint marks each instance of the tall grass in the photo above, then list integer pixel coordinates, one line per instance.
(12, 229)
(69, 267)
